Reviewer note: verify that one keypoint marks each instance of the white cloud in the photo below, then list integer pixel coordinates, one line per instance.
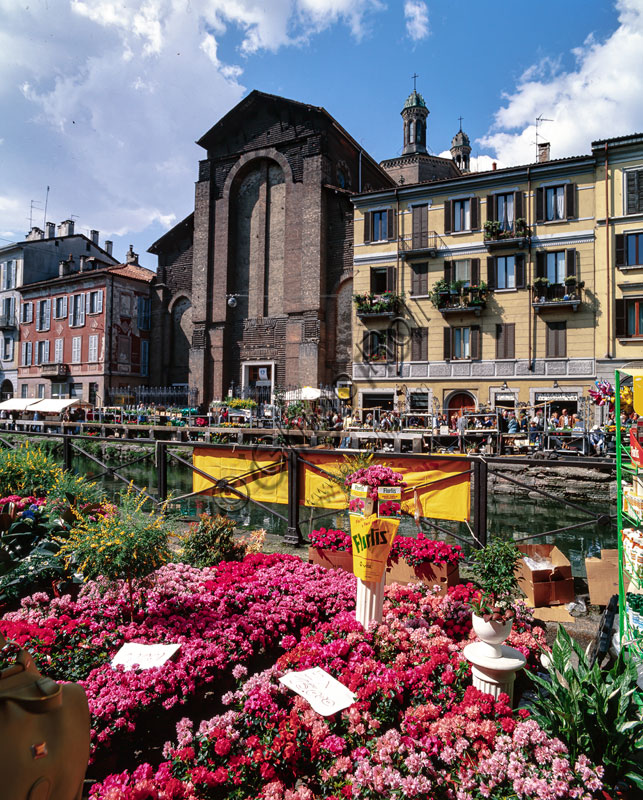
(599, 98)
(102, 100)
(416, 14)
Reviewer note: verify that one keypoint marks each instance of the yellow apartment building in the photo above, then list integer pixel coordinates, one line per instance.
(513, 287)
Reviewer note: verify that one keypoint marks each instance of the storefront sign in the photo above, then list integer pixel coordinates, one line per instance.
(556, 397)
(505, 396)
(325, 694)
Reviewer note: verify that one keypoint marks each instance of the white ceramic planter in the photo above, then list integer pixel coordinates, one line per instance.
(491, 634)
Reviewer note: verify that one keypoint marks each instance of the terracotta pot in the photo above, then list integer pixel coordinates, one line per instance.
(331, 559)
(442, 575)
(492, 634)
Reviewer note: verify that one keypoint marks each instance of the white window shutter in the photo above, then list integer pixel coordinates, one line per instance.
(30, 312)
(3, 276)
(70, 309)
(29, 353)
(12, 307)
(11, 341)
(38, 316)
(58, 351)
(23, 356)
(100, 301)
(64, 306)
(47, 323)
(46, 358)
(81, 318)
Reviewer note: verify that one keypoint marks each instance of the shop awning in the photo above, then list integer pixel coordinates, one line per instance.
(51, 406)
(15, 404)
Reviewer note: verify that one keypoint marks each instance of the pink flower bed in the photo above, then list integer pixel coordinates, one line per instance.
(221, 617)
(418, 729)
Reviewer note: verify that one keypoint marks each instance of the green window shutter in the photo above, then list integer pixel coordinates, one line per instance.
(520, 270)
(541, 264)
(491, 208)
(448, 271)
(620, 250)
(570, 263)
(368, 230)
(620, 318)
(518, 209)
(476, 343)
(447, 344)
(447, 216)
(390, 219)
(475, 271)
(491, 272)
(540, 205)
(570, 200)
(475, 213)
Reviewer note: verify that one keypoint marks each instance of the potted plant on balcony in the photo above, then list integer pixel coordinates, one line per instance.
(457, 287)
(478, 294)
(540, 287)
(492, 229)
(439, 293)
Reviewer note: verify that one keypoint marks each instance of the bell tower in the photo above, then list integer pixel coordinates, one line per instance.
(461, 150)
(414, 115)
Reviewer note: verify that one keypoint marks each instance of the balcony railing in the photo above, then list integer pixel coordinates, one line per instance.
(424, 244)
(372, 305)
(498, 236)
(54, 370)
(545, 296)
(458, 297)
(7, 321)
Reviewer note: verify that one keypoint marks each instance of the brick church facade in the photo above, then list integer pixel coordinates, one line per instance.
(254, 288)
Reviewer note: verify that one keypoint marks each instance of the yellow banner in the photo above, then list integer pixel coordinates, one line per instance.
(260, 475)
(443, 487)
(372, 539)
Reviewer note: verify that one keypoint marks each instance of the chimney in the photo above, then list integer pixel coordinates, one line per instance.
(494, 166)
(82, 263)
(108, 247)
(62, 269)
(543, 152)
(35, 233)
(66, 228)
(93, 235)
(131, 257)
(51, 230)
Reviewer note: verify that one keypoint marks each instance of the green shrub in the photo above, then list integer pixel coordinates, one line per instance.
(211, 540)
(593, 711)
(494, 568)
(27, 470)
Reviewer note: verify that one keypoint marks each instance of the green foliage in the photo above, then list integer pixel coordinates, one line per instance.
(27, 470)
(593, 711)
(211, 540)
(241, 402)
(494, 567)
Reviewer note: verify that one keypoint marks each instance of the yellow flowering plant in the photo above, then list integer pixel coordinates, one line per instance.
(121, 541)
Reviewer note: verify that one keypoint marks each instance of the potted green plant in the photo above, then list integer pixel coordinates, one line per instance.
(494, 570)
(492, 229)
(439, 293)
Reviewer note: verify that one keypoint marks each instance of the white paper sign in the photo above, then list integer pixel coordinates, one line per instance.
(144, 655)
(325, 694)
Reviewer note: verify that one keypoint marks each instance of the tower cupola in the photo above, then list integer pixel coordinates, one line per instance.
(461, 150)
(414, 115)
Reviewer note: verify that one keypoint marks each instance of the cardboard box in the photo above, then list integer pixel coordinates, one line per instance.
(331, 559)
(442, 575)
(546, 587)
(602, 577)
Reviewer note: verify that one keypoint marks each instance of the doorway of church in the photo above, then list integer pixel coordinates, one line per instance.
(460, 403)
(257, 383)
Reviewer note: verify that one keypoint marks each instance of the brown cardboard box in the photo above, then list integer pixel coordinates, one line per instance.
(602, 577)
(545, 587)
(331, 559)
(442, 575)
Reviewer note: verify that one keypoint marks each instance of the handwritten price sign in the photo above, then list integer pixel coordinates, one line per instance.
(325, 694)
(144, 656)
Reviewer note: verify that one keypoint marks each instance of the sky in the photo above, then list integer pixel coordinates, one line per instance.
(102, 100)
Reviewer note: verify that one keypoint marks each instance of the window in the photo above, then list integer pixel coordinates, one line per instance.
(59, 390)
(629, 318)
(629, 250)
(59, 351)
(41, 390)
(505, 209)
(77, 310)
(634, 191)
(124, 350)
(556, 266)
(93, 393)
(93, 349)
(145, 357)
(8, 305)
(419, 401)
(76, 390)
(76, 348)
(506, 272)
(8, 275)
(24, 391)
(25, 357)
(461, 215)
(144, 312)
(95, 302)
(556, 345)
(420, 227)
(382, 280)
(419, 344)
(420, 279)
(379, 225)
(462, 343)
(43, 315)
(378, 346)
(42, 353)
(60, 307)
(466, 269)
(555, 203)
(505, 340)
(7, 348)
(26, 313)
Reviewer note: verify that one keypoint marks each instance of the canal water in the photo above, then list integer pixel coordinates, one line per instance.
(508, 516)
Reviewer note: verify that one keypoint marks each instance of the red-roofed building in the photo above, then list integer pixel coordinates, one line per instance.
(85, 334)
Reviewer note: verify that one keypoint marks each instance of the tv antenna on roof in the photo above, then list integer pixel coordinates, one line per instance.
(539, 120)
(33, 204)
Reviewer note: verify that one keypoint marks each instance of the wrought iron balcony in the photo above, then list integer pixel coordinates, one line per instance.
(54, 370)
(371, 306)
(423, 245)
(556, 296)
(503, 237)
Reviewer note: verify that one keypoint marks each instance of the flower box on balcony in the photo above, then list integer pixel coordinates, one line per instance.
(507, 242)
(331, 559)
(371, 305)
(462, 309)
(442, 575)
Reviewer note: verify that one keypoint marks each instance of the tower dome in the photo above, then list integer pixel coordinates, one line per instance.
(461, 150)
(414, 115)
